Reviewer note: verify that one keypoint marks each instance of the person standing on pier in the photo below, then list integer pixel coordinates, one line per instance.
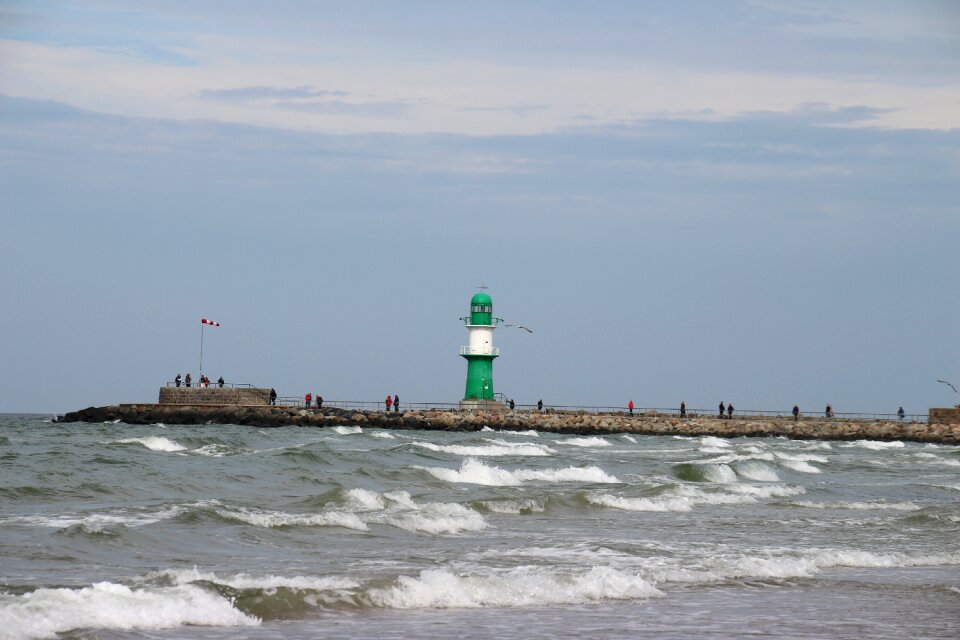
(796, 412)
(319, 401)
(540, 405)
(388, 402)
(176, 381)
(630, 406)
(901, 413)
(512, 404)
(683, 409)
(729, 411)
(307, 399)
(828, 412)
(396, 403)
(187, 379)
(273, 396)
(722, 408)
(220, 382)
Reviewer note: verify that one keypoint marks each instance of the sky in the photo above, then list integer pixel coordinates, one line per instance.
(754, 202)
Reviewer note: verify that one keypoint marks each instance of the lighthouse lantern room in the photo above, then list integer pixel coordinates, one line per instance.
(480, 351)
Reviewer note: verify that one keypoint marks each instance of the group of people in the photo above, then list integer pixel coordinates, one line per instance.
(392, 401)
(203, 383)
(307, 399)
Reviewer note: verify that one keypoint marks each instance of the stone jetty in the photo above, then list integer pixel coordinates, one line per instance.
(573, 423)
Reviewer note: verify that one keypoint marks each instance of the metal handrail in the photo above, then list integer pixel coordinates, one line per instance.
(195, 384)
(639, 412)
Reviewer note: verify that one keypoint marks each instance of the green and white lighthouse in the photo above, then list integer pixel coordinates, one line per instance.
(480, 351)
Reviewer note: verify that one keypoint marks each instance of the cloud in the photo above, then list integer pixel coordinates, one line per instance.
(249, 94)
(386, 109)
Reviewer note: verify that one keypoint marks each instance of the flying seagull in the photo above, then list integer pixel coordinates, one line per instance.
(949, 385)
(520, 326)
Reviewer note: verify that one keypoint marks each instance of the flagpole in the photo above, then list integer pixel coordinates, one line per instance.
(201, 348)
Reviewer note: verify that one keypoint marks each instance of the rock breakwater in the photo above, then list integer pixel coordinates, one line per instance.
(558, 422)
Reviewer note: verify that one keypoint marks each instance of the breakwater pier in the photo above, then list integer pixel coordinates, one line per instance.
(557, 421)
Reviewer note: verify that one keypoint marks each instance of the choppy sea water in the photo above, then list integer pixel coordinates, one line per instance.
(224, 531)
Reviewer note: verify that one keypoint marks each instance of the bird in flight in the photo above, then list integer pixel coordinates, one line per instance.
(949, 385)
(520, 326)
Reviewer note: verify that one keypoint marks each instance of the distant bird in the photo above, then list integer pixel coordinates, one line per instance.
(520, 326)
(949, 385)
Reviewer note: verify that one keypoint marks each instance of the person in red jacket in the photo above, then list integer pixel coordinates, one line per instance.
(630, 406)
(389, 402)
(306, 400)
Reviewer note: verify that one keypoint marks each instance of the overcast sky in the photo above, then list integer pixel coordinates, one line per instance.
(756, 202)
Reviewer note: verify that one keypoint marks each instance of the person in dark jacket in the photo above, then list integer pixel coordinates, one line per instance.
(319, 401)
(539, 405)
(683, 409)
(796, 413)
(729, 411)
(186, 380)
(901, 413)
(396, 403)
(176, 381)
(512, 404)
(722, 408)
(273, 396)
(220, 382)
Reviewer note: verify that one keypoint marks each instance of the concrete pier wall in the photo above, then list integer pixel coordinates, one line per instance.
(214, 396)
(944, 416)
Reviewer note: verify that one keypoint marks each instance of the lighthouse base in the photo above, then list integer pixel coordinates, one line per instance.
(483, 405)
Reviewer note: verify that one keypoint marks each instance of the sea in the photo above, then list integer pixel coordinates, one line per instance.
(226, 531)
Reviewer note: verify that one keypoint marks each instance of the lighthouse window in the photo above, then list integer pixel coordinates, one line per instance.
(482, 308)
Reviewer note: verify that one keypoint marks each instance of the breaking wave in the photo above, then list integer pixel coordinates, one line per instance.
(475, 472)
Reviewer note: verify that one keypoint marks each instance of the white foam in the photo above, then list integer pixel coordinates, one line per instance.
(486, 429)
(498, 448)
(383, 434)
(765, 491)
(876, 445)
(592, 441)
(437, 517)
(347, 431)
(399, 509)
(154, 443)
(719, 473)
(475, 472)
(517, 587)
(515, 506)
(247, 581)
(629, 438)
(364, 500)
(270, 519)
(95, 522)
(713, 441)
(801, 457)
(800, 465)
(756, 471)
(787, 564)
(44, 613)
(896, 506)
(530, 433)
(713, 450)
(675, 503)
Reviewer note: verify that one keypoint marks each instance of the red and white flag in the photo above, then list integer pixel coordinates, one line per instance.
(210, 322)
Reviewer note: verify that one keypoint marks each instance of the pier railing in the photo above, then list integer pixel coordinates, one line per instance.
(640, 412)
(213, 383)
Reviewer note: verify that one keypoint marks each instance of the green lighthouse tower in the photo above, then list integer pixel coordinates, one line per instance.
(480, 351)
